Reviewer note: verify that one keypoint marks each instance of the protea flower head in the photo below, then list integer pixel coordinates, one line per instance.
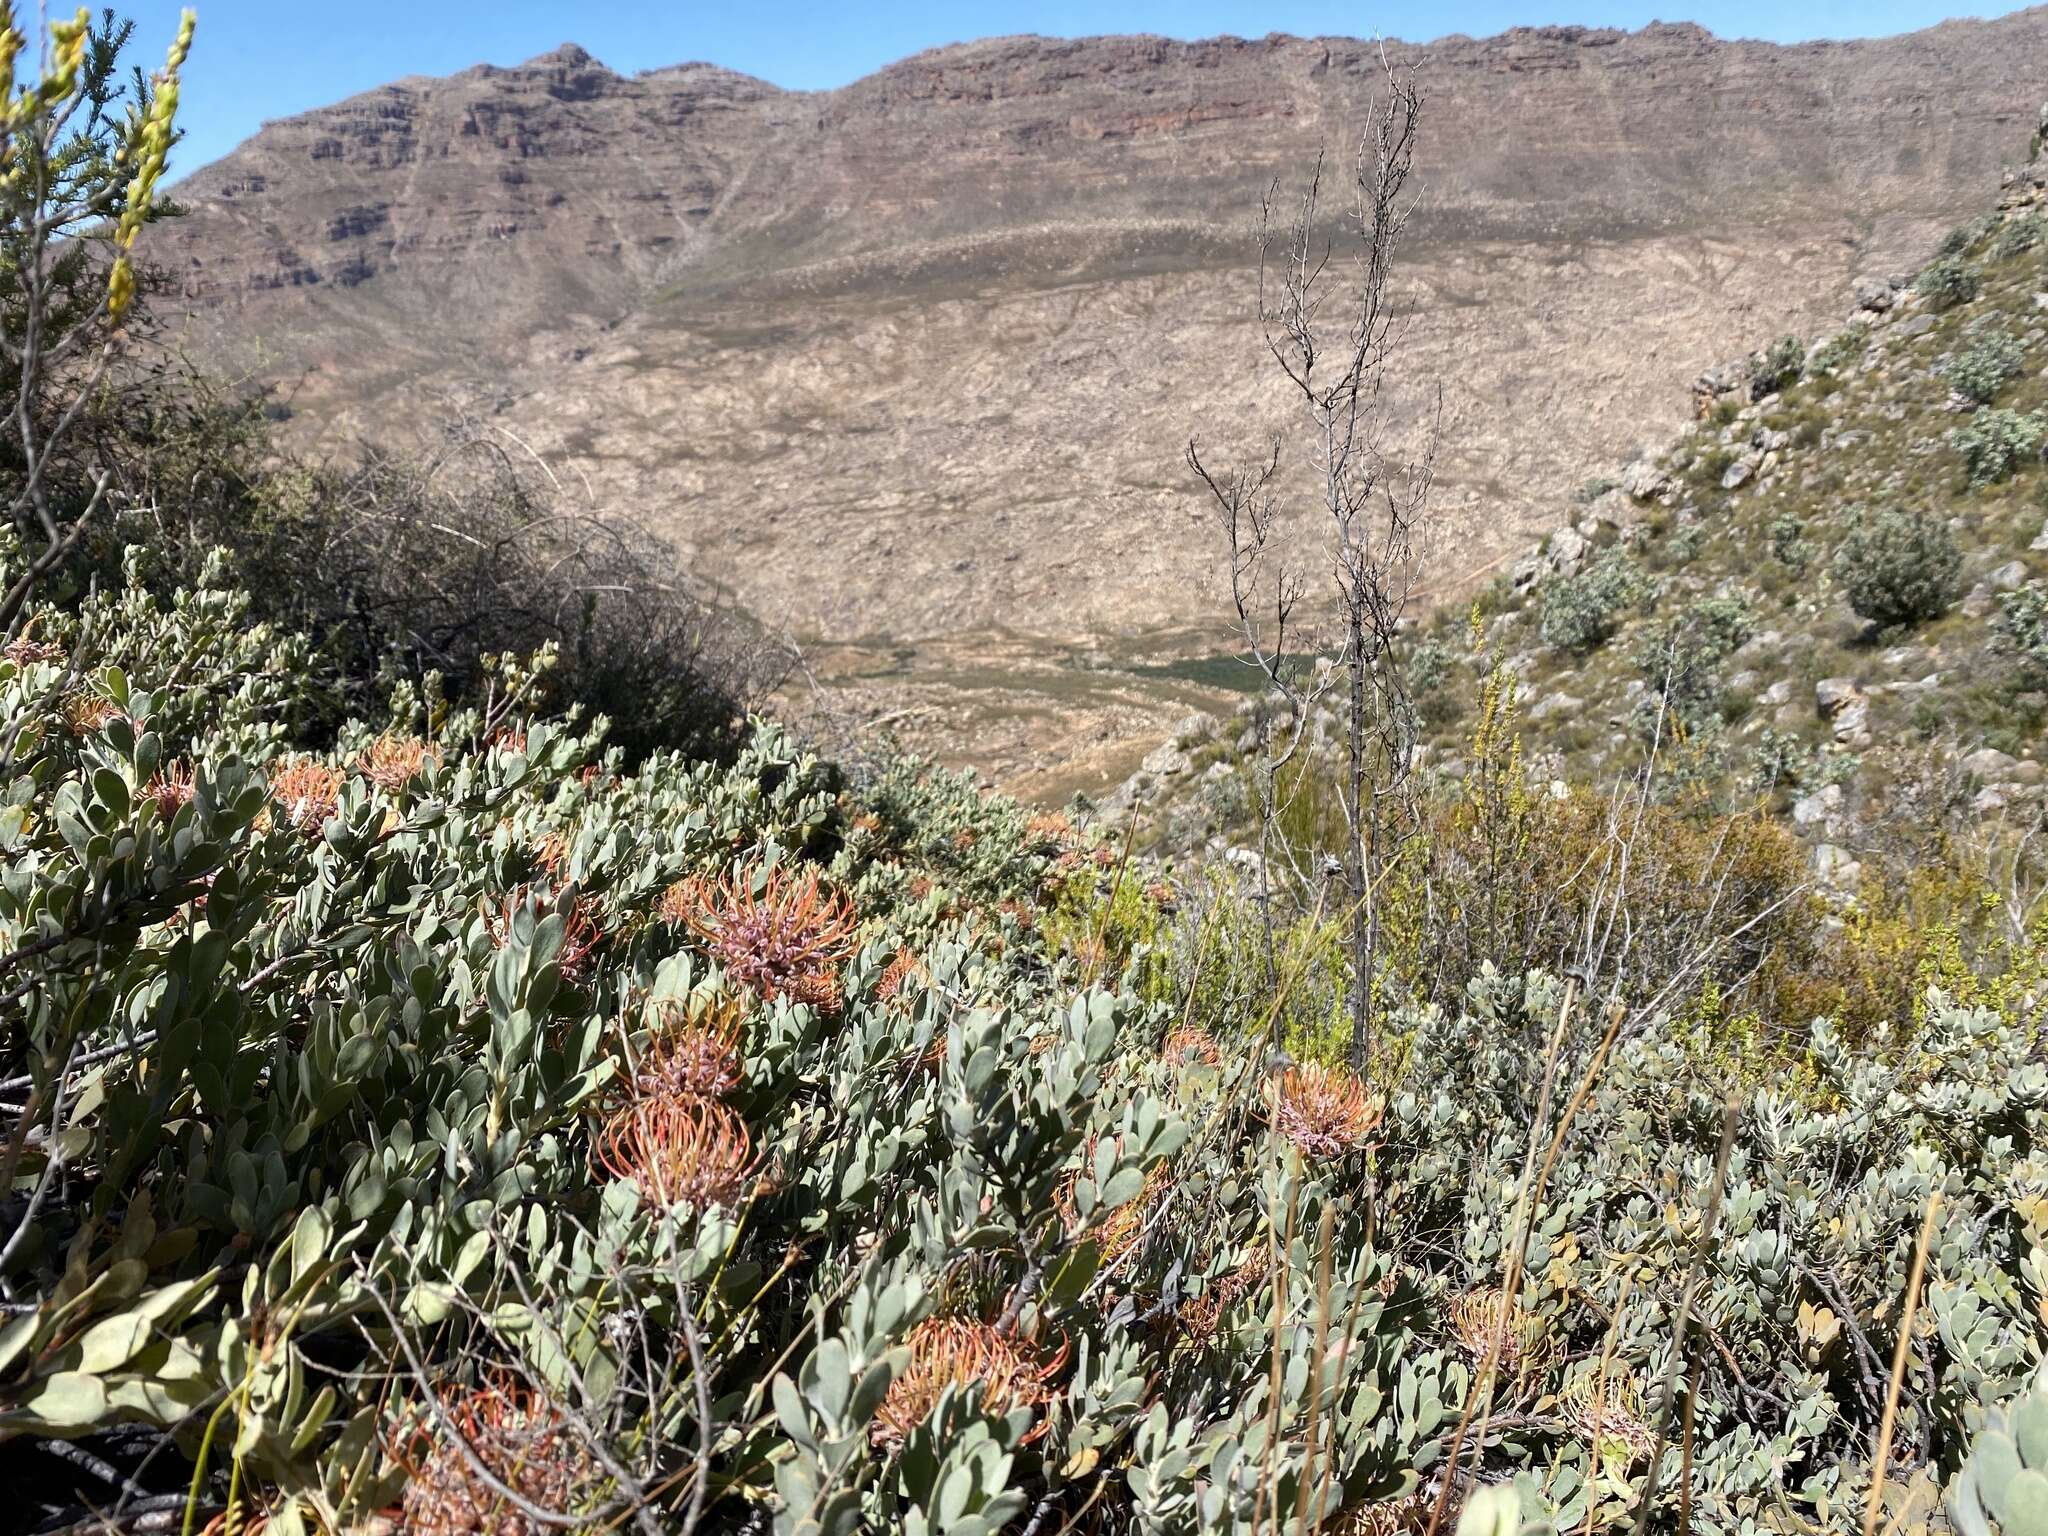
(960, 1353)
(1326, 1112)
(582, 933)
(86, 712)
(26, 651)
(788, 941)
(1608, 1415)
(1201, 1315)
(169, 790)
(904, 967)
(392, 762)
(681, 1149)
(522, 1439)
(1408, 1515)
(1190, 1045)
(695, 1048)
(1478, 1316)
(1116, 1231)
(1048, 830)
(306, 791)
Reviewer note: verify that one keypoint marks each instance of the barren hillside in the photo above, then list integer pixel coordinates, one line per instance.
(908, 366)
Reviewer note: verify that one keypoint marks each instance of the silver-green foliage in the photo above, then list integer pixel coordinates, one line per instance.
(1899, 567)
(1995, 442)
(1583, 609)
(1991, 361)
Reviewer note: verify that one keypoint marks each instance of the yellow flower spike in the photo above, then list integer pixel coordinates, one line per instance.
(68, 38)
(120, 288)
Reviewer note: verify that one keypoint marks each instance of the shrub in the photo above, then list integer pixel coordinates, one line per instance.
(2022, 627)
(1947, 282)
(2018, 236)
(1986, 366)
(1995, 442)
(1788, 543)
(1679, 660)
(1899, 568)
(1582, 610)
(1960, 239)
(1777, 366)
(1840, 349)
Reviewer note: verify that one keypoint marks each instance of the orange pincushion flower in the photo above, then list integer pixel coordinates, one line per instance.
(522, 1439)
(307, 791)
(1325, 1111)
(696, 1049)
(392, 762)
(1478, 1316)
(581, 932)
(681, 1150)
(959, 1353)
(88, 712)
(169, 790)
(788, 941)
(1201, 1315)
(551, 853)
(1122, 1229)
(1048, 829)
(25, 651)
(905, 967)
(1190, 1045)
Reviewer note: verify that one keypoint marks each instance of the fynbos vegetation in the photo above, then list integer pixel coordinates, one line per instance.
(454, 1077)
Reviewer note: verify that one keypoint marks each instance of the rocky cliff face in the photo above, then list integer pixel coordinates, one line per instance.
(909, 365)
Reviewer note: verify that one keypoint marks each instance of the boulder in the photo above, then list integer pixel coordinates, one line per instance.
(1811, 810)
(1836, 867)
(1919, 325)
(1846, 708)
(1643, 479)
(1873, 294)
(1566, 550)
(2009, 577)
(1991, 765)
(1738, 474)
(1166, 761)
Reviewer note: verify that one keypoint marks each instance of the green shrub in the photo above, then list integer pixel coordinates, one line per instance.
(1960, 239)
(1776, 367)
(1841, 349)
(1991, 361)
(1679, 659)
(2022, 628)
(1899, 568)
(1995, 442)
(1582, 610)
(1788, 543)
(1947, 282)
(2018, 236)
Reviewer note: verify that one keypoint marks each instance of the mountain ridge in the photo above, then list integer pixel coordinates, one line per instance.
(909, 365)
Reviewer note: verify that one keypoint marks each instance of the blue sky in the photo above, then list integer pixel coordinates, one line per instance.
(260, 59)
